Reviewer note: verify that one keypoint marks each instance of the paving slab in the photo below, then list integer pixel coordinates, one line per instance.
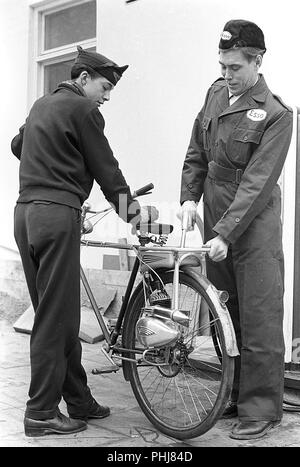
(126, 427)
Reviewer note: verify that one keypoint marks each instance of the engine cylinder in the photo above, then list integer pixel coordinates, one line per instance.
(154, 332)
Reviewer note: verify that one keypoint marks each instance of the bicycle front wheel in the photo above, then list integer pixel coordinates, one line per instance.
(184, 398)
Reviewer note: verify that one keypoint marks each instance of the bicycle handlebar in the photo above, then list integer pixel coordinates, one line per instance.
(143, 191)
(86, 207)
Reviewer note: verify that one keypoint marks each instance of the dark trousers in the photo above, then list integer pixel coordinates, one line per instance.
(253, 275)
(48, 238)
(257, 316)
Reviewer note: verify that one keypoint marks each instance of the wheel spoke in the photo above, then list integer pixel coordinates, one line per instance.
(184, 396)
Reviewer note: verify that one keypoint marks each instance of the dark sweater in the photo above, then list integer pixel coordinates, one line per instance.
(63, 149)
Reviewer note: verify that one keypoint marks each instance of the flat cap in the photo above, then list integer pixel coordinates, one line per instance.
(102, 65)
(241, 33)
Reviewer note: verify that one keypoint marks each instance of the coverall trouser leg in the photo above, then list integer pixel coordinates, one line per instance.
(256, 307)
(48, 238)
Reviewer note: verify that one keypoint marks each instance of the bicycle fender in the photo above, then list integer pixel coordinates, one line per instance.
(223, 313)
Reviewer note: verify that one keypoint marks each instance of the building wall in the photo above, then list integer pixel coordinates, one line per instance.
(14, 43)
(171, 47)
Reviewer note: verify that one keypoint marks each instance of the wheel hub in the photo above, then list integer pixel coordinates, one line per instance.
(175, 359)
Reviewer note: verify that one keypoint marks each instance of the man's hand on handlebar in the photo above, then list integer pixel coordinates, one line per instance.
(218, 248)
(187, 215)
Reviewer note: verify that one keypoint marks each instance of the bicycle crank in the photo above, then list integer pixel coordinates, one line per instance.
(106, 369)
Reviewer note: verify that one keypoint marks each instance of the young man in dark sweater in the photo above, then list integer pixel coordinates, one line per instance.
(62, 150)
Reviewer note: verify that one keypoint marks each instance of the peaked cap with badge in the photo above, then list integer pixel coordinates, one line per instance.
(239, 33)
(101, 64)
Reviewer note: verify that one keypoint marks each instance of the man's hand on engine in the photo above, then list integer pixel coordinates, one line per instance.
(148, 214)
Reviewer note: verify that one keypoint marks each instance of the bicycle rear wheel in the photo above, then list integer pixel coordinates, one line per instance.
(185, 398)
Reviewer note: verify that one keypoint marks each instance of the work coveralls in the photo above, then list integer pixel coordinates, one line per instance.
(235, 157)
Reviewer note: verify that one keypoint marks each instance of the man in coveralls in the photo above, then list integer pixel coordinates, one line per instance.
(237, 151)
(62, 150)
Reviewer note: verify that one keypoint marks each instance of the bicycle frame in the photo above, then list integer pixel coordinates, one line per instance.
(111, 339)
(179, 254)
(157, 335)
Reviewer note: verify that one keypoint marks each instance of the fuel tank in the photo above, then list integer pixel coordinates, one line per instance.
(154, 332)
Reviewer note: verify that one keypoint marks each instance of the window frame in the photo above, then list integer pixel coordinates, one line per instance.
(38, 56)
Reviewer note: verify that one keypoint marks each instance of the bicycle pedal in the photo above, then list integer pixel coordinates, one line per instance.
(105, 369)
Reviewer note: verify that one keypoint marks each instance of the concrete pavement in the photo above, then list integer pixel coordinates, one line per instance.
(126, 427)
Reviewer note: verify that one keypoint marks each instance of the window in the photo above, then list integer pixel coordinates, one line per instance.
(57, 30)
(56, 73)
(76, 23)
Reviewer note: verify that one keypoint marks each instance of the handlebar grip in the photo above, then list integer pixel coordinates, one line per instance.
(143, 190)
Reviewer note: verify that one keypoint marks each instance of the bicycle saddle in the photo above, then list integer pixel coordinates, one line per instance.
(155, 228)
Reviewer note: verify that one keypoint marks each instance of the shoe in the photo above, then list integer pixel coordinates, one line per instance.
(95, 411)
(252, 430)
(231, 410)
(60, 424)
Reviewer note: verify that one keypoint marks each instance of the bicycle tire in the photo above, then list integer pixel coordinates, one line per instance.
(166, 408)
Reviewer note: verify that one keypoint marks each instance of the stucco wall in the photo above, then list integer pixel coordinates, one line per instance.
(171, 47)
(14, 52)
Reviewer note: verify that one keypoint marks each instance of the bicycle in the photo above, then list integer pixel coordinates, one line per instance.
(173, 337)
